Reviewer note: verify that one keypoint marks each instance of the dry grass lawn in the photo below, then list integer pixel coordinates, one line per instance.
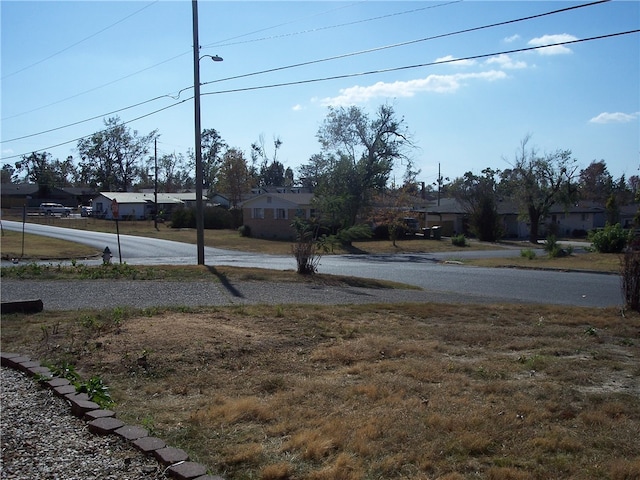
(416, 391)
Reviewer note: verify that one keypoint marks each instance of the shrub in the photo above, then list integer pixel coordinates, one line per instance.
(528, 253)
(381, 232)
(552, 247)
(244, 230)
(459, 240)
(214, 218)
(611, 239)
(631, 275)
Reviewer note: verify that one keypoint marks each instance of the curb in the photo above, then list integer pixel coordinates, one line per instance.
(104, 422)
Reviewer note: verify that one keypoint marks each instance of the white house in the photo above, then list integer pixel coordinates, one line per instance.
(137, 206)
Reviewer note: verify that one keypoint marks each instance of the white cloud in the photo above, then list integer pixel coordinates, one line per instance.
(551, 39)
(505, 61)
(7, 152)
(432, 83)
(617, 117)
(512, 38)
(297, 108)
(452, 59)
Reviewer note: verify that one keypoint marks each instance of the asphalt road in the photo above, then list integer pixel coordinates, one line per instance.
(449, 282)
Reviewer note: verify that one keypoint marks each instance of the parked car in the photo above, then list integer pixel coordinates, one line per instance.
(410, 225)
(86, 212)
(54, 209)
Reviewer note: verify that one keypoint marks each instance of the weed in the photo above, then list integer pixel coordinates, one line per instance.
(148, 423)
(591, 331)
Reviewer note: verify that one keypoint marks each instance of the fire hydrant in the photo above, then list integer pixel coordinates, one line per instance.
(106, 256)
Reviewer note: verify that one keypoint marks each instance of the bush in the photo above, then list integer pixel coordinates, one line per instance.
(459, 240)
(244, 230)
(552, 248)
(381, 232)
(528, 253)
(611, 239)
(214, 218)
(631, 275)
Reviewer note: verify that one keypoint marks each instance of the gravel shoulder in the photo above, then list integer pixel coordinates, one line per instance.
(41, 439)
(74, 295)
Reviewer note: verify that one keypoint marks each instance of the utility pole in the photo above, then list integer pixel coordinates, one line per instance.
(155, 188)
(198, 135)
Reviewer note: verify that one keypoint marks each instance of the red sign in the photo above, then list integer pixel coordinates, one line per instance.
(115, 209)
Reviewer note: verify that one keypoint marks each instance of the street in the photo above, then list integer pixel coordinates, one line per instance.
(423, 270)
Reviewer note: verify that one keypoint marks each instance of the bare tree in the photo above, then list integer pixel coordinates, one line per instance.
(539, 182)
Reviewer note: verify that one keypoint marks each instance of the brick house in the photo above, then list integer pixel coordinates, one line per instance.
(269, 215)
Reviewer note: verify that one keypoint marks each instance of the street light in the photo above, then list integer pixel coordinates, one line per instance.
(198, 133)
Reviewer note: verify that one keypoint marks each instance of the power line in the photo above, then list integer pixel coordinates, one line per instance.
(329, 27)
(410, 42)
(351, 75)
(80, 41)
(136, 72)
(409, 67)
(311, 62)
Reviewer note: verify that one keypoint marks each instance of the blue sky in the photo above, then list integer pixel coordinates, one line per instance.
(67, 62)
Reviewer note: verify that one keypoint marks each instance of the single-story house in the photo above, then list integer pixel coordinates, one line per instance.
(18, 195)
(269, 215)
(138, 206)
(574, 220)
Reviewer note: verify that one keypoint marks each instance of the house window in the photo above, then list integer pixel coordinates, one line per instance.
(585, 217)
(281, 214)
(269, 199)
(301, 213)
(258, 213)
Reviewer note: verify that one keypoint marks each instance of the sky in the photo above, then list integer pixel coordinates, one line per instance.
(68, 66)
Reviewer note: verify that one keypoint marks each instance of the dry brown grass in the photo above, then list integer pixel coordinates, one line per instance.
(36, 247)
(414, 391)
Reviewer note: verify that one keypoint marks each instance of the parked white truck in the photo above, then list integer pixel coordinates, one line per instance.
(54, 209)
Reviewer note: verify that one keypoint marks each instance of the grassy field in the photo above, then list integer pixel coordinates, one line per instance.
(352, 392)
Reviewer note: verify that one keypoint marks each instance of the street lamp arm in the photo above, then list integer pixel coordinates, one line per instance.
(215, 58)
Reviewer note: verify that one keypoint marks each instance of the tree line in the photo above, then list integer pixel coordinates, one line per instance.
(350, 175)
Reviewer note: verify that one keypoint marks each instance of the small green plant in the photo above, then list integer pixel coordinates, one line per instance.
(528, 253)
(459, 240)
(97, 391)
(65, 370)
(149, 424)
(591, 331)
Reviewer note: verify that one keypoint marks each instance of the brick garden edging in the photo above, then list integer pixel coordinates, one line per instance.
(104, 422)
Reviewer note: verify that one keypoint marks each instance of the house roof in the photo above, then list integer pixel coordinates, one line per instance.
(136, 197)
(295, 199)
(12, 189)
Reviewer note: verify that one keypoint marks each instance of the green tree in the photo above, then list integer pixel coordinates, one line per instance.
(213, 148)
(111, 158)
(595, 183)
(365, 151)
(235, 176)
(479, 195)
(7, 173)
(539, 182)
(41, 169)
